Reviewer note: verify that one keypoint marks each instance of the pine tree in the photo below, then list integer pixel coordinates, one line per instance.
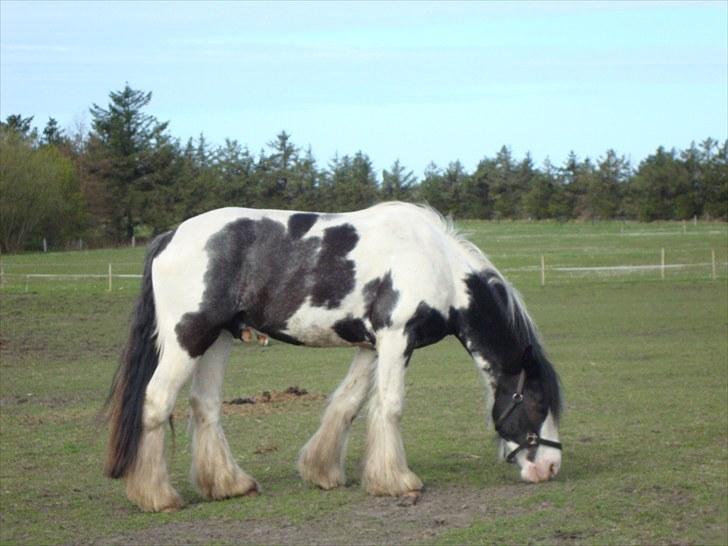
(714, 161)
(504, 185)
(52, 134)
(22, 126)
(128, 148)
(660, 178)
(604, 190)
(397, 183)
(478, 192)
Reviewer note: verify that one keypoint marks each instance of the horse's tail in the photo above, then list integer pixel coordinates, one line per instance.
(125, 403)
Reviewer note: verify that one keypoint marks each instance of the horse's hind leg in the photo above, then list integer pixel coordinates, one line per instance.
(385, 467)
(214, 471)
(147, 482)
(321, 460)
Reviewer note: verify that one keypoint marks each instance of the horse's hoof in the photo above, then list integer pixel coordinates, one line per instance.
(253, 491)
(410, 498)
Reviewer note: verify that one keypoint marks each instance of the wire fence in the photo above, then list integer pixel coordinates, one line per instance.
(24, 276)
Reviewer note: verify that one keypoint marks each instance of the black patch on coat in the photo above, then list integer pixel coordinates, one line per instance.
(353, 330)
(380, 297)
(259, 274)
(238, 324)
(300, 223)
(334, 274)
(427, 326)
(486, 323)
(509, 342)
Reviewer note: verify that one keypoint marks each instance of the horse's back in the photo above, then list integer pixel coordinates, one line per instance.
(295, 275)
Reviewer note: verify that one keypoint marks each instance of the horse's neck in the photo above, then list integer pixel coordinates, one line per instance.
(484, 326)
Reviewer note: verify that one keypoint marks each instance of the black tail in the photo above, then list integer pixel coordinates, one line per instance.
(125, 403)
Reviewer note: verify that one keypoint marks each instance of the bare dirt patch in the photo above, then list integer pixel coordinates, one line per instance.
(262, 403)
(377, 520)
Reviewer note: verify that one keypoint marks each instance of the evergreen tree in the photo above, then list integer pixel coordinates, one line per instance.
(128, 148)
(660, 178)
(477, 194)
(350, 183)
(604, 191)
(504, 185)
(537, 202)
(361, 189)
(273, 171)
(714, 158)
(397, 183)
(433, 189)
(235, 176)
(22, 126)
(52, 134)
(304, 190)
(576, 178)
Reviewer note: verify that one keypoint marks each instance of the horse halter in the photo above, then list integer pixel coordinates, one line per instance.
(533, 440)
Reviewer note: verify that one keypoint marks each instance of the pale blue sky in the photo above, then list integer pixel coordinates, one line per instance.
(433, 81)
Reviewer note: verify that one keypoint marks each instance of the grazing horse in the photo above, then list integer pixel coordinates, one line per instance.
(386, 280)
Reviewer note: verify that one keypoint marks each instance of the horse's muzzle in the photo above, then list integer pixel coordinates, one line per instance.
(544, 468)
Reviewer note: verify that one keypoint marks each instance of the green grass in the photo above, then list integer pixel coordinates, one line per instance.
(644, 363)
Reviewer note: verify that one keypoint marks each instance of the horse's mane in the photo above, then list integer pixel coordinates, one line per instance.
(521, 323)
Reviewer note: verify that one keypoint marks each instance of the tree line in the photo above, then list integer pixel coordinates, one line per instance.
(126, 176)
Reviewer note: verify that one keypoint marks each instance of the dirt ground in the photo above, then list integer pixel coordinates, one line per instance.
(378, 520)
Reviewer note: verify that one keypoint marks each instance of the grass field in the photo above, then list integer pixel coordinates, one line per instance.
(644, 363)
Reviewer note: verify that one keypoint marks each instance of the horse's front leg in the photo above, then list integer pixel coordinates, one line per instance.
(385, 466)
(321, 460)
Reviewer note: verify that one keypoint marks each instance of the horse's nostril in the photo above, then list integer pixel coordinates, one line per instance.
(552, 470)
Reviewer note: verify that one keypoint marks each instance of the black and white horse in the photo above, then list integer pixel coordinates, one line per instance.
(386, 280)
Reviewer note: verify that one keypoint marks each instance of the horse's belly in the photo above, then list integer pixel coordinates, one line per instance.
(318, 337)
(320, 333)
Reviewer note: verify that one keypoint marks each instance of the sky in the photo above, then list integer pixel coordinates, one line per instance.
(416, 81)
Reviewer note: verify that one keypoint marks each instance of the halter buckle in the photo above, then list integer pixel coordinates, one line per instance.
(532, 439)
(518, 397)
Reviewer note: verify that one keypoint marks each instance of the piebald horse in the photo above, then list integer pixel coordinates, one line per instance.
(385, 280)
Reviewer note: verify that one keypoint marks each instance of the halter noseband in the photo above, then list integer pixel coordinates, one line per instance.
(533, 440)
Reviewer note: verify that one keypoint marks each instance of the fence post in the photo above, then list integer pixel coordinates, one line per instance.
(662, 263)
(712, 252)
(109, 278)
(543, 271)
(133, 241)
(45, 244)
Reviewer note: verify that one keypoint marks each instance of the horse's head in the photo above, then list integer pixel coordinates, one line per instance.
(525, 412)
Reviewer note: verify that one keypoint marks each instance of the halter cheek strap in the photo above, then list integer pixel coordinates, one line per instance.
(515, 400)
(533, 440)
